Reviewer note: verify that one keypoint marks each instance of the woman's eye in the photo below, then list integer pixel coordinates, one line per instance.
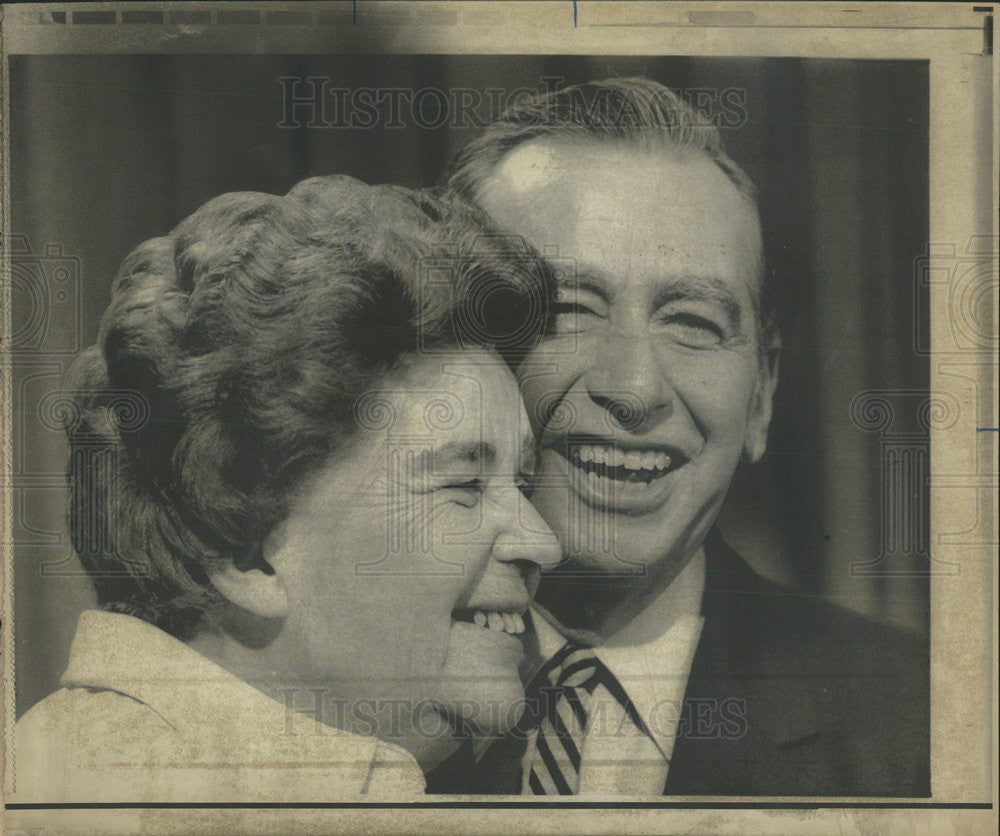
(468, 493)
(692, 330)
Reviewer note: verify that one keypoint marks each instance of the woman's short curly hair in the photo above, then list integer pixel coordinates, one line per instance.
(240, 344)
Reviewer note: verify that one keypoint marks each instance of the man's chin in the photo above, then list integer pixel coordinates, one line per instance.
(625, 555)
(628, 549)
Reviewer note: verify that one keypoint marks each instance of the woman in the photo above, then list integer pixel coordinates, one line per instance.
(296, 469)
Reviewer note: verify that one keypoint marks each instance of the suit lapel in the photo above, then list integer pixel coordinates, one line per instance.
(747, 699)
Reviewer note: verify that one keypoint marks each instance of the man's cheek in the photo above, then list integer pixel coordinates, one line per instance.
(719, 397)
(540, 396)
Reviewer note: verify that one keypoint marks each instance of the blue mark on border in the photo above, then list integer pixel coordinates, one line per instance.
(574, 14)
(988, 429)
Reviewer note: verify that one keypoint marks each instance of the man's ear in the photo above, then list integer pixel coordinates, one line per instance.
(759, 419)
(256, 590)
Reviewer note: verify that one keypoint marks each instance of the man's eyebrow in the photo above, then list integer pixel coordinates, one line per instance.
(583, 280)
(688, 286)
(700, 289)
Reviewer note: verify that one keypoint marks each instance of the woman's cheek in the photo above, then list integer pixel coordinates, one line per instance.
(453, 526)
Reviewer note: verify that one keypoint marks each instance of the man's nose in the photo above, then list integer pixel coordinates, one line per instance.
(527, 537)
(628, 382)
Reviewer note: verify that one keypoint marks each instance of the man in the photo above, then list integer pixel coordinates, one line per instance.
(663, 663)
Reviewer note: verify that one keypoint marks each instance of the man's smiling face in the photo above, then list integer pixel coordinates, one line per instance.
(651, 384)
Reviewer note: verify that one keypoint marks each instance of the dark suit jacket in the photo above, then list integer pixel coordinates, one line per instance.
(788, 695)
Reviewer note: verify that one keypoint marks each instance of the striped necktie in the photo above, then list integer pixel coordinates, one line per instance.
(561, 694)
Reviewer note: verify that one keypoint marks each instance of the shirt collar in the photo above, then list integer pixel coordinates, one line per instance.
(201, 700)
(650, 656)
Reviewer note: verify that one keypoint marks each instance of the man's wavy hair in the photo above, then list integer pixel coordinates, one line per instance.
(636, 111)
(230, 359)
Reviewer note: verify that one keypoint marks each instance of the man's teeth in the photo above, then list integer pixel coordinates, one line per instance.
(506, 622)
(613, 457)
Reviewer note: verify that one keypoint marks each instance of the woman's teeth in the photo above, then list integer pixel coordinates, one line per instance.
(507, 622)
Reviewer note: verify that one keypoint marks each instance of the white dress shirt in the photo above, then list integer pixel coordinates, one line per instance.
(651, 657)
(144, 718)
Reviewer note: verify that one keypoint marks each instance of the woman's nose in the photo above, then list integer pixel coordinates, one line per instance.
(528, 537)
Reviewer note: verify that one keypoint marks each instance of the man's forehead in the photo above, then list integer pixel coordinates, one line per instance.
(533, 165)
(565, 184)
(545, 161)
(616, 210)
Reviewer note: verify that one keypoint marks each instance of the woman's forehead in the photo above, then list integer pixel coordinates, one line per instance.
(467, 400)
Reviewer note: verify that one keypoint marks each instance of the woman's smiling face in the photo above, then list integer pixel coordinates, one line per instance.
(409, 559)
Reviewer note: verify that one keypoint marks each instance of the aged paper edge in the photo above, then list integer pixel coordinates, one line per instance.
(963, 611)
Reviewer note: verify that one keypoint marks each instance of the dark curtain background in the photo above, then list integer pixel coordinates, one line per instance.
(107, 151)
